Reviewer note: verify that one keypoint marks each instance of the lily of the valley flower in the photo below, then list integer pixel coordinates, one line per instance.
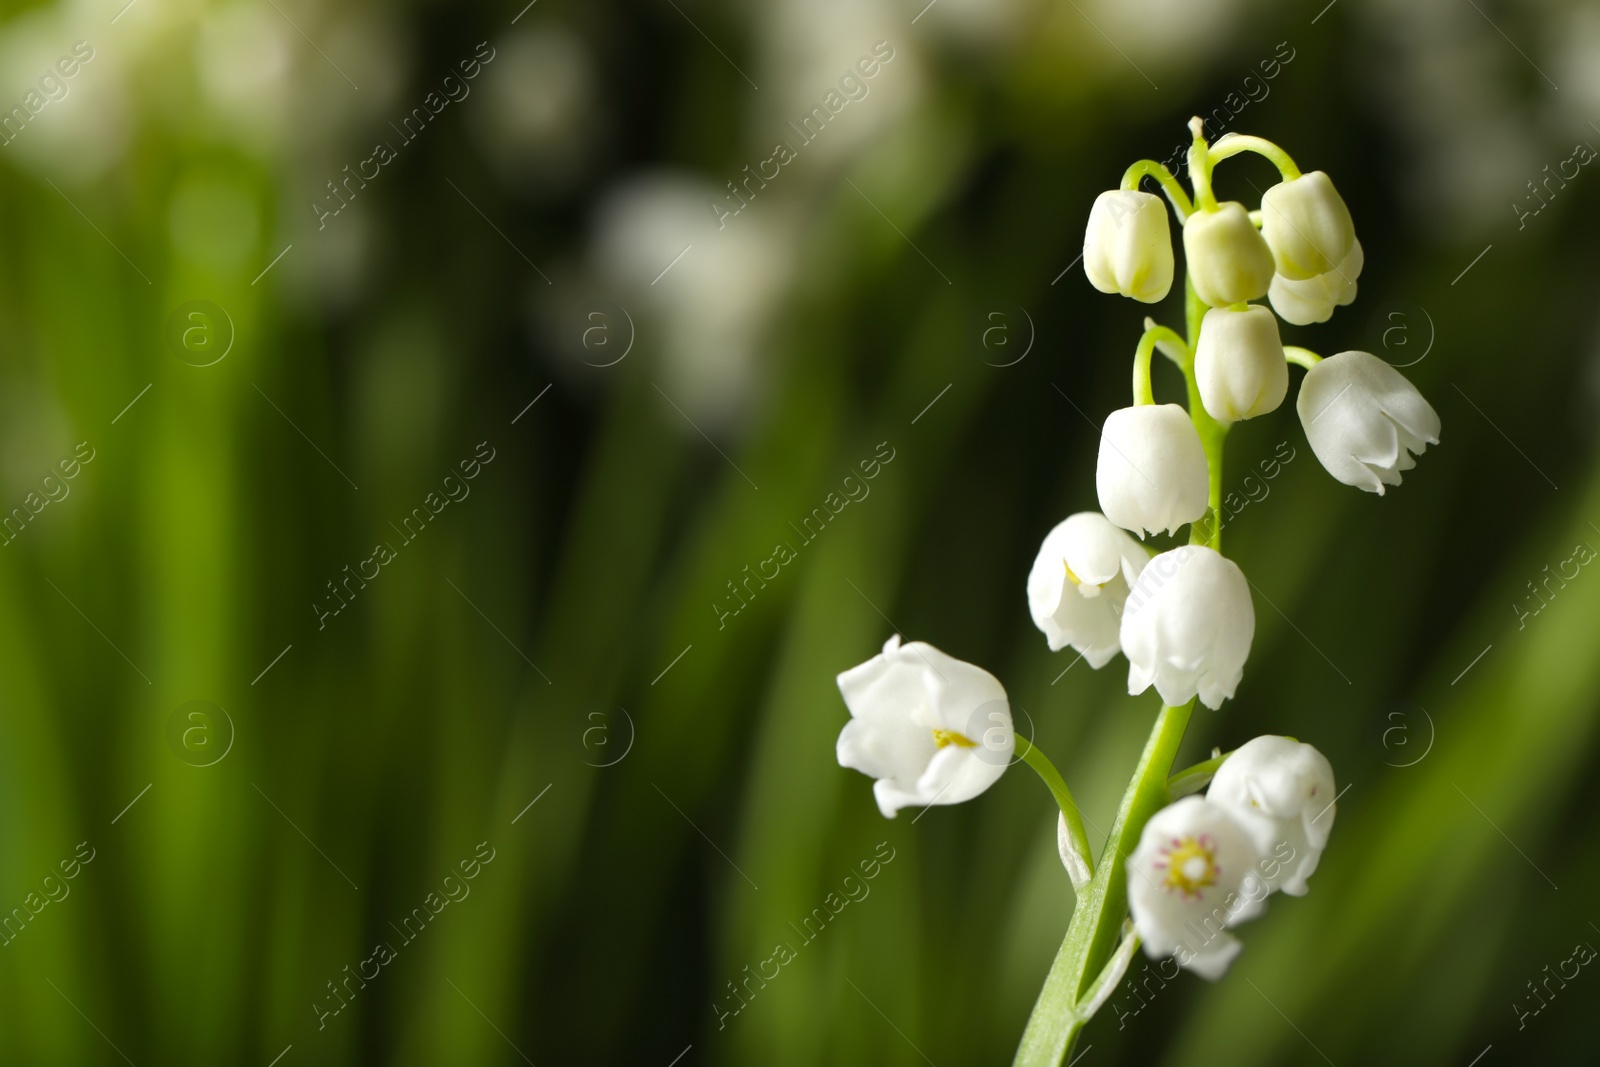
(1307, 225)
(1187, 627)
(1193, 878)
(1229, 262)
(1079, 582)
(1283, 791)
(1239, 365)
(1364, 420)
(1127, 247)
(930, 728)
(1314, 299)
(1151, 474)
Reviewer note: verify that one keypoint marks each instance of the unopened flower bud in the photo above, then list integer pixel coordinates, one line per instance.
(1229, 261)
(1238, 363)
(1306, 224)
(1127, 247)
(1152, 472)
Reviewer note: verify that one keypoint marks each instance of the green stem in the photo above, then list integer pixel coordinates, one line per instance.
(1301, 357)
(1200, 167)
(1149, 168)
(1193, 779)
(1208, 531)
(1235, 143)
(1035, 758)
(1097, 920)
(1143, 392)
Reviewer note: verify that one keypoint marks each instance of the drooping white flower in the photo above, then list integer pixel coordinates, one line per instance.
(1229, 261)
(1127, 247)
(1286, 789)
(1314, 299)
(1187, 627)
(1238, 363)
(1307, 225)
(1192, 879)
(1151, 474)
(930, 728)
(1364, 420)
(1079, 582)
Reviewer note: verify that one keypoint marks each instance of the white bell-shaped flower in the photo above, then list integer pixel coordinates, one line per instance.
(1187, 627)
(1151, 474)
(1314, 299)
(1079, 582)
(1364, 420)
(930, 728)
(1306, 224)
(1192, 879)
(1229, 261)
(1283, 791)
(1127, 247)
(1238, 363)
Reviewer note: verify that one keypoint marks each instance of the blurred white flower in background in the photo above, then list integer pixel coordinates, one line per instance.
(1165, 31)
(84, 126)
(970, 24)
(244, 55)
(710, 309)
(806, 47)
(540, 114)
(1447, 79)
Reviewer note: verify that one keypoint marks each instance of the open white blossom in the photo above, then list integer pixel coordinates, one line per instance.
(1193, 878)
(1229, 262)
(1307, 225)
(1286, 789)
(1187, 627)
(1238, 364)
(1079, 582)
(1364, 420)
(1151, 474)
(1127, 247)
(1314, 299)
(930, 728)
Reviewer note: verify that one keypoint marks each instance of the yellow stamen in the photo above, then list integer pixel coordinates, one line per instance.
(1191, 864)
(942, 738)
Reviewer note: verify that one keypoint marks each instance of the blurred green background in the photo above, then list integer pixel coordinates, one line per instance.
(552, 634)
